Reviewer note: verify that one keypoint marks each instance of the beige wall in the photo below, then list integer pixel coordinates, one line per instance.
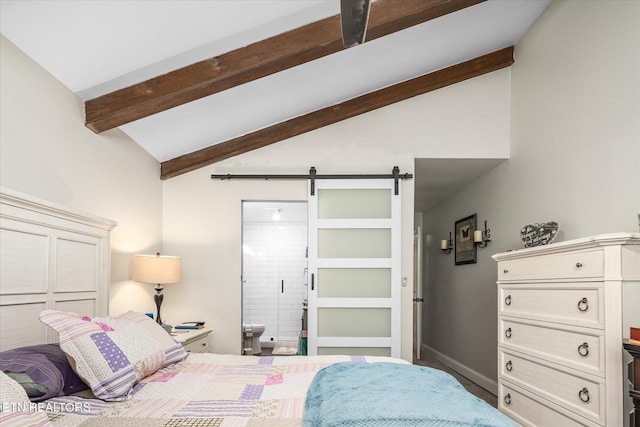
(46, 151)
(575, 156)
(202, 220)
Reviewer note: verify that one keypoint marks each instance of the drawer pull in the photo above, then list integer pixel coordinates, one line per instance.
(583, 349)
(507, 399)
(583, 304)
(578, 264)
(509, 366)
(507, 333)
(584, 395)
(507, 300)
(505, 271)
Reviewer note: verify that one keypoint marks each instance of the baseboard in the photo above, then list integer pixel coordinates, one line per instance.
(482, 380)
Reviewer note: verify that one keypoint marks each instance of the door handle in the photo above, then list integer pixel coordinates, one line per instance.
(282, 287)
(312, 280)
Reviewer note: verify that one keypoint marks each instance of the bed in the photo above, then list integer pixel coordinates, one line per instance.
(278, 391)
(65, 363)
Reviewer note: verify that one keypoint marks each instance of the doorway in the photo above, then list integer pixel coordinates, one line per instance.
(274, 269)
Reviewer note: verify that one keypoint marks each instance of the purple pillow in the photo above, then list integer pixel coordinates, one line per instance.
(47, 366)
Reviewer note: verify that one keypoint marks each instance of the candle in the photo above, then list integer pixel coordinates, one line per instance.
(477, 236)
(444, 244)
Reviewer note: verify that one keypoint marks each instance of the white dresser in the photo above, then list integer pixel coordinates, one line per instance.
(563, 310)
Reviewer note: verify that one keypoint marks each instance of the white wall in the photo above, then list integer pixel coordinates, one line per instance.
(46, 151)
(575, 159)
(202, 220)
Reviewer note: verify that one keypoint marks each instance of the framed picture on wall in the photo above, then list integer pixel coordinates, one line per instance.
(465, 251)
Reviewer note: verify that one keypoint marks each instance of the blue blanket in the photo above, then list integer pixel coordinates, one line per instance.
(391, 394)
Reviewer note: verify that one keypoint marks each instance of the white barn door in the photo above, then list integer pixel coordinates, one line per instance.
(354, 267)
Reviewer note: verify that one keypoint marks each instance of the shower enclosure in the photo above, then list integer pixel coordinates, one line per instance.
(274, 267)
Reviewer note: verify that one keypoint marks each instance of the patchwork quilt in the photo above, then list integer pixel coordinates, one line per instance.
(207, 390)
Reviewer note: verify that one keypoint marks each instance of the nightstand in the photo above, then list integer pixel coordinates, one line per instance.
(634, 378)
(193, 340)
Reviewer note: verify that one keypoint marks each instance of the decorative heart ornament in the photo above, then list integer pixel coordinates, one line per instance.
(539, 234)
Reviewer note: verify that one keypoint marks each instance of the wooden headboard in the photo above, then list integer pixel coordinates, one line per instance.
(51, 257)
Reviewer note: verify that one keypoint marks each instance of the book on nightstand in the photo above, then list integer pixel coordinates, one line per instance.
(190, 325)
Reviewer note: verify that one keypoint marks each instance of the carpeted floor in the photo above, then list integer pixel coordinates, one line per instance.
(473, 388)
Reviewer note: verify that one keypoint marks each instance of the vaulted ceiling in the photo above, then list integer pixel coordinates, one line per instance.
(195, 82)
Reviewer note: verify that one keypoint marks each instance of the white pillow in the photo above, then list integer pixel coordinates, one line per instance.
(17, 409)
(111, 354)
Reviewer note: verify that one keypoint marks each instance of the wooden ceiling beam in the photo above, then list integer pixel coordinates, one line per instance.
(335, 113)
(254, 61)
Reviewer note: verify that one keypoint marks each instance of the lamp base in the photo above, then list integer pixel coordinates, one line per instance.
(158, 298)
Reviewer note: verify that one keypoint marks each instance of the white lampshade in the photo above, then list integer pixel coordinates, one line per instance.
(156, 269)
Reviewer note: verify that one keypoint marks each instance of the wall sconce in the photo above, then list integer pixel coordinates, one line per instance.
(446, 246)
(481, 238)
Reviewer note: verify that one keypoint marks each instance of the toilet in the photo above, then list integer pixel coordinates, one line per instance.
(251, 333)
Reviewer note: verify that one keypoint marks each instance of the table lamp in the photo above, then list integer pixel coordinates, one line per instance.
(156, 269)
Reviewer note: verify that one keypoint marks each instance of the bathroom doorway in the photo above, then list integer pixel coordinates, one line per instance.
(274, 270)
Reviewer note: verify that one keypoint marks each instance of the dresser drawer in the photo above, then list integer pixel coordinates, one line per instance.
(574, 265)
(580, 348)
(534, 412)
(582, 394)
(198, 346)
(571, 303)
